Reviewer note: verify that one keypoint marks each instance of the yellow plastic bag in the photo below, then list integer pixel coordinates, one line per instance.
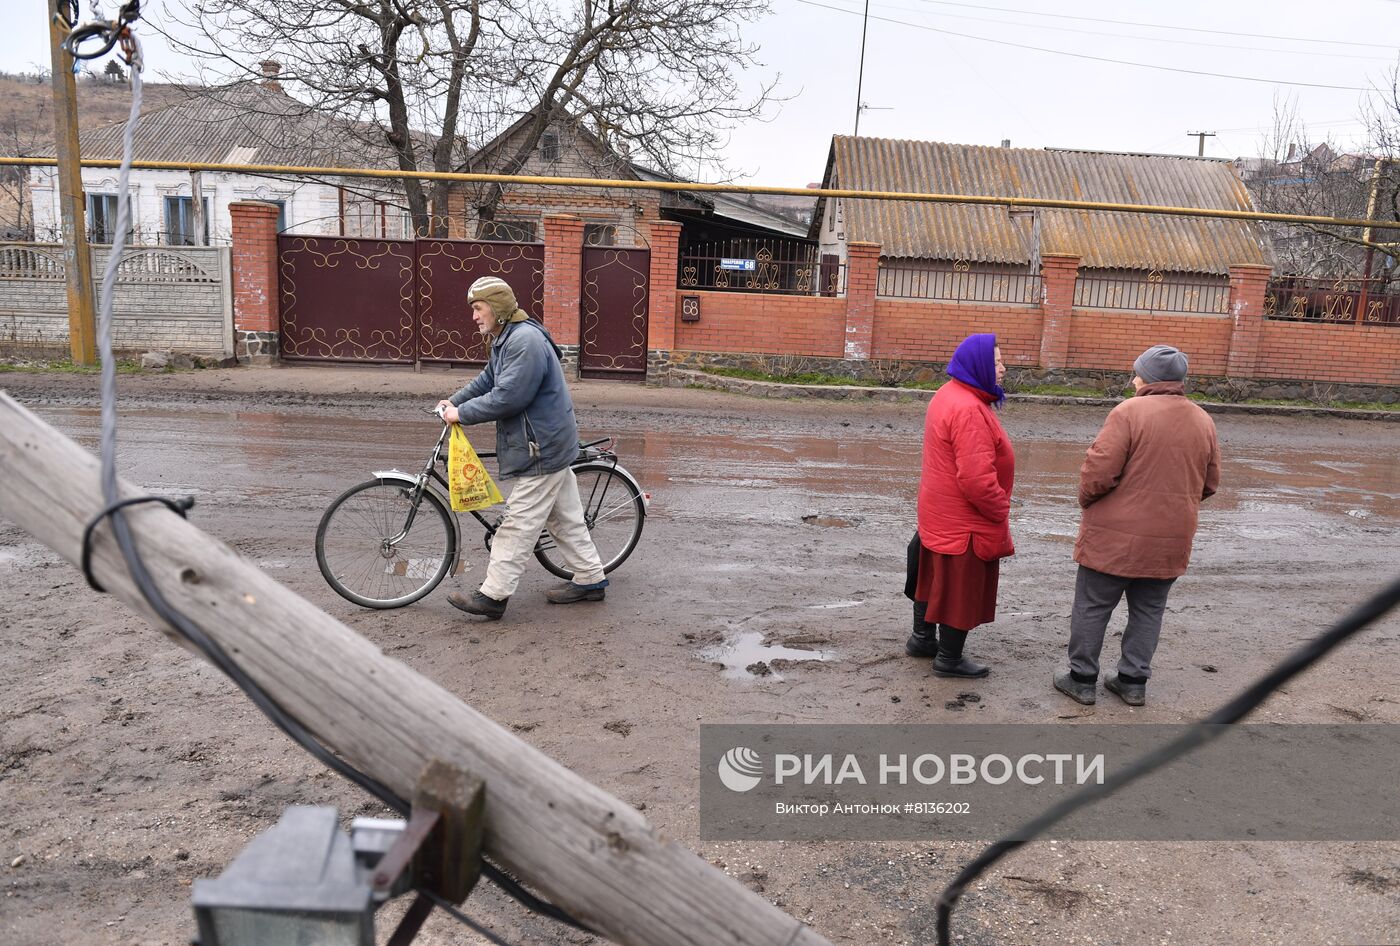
(470, 485)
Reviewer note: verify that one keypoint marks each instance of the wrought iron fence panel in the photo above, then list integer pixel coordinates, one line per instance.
(958, 281)
(1153, 292)
(1331, 300)
(791, 267)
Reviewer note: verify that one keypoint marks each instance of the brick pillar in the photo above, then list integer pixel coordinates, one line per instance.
(255, 310)
(862, 272)
(1058, 272)
(665, 239)
(1248, 284)
(563, 277)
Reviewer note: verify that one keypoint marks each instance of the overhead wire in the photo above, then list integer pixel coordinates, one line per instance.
(1087, 56)
(1163, 26)
(1130, 36)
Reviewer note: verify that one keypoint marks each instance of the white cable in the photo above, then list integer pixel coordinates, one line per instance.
(108, 384)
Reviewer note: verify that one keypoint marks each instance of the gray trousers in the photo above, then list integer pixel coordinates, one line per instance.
(1095, 596)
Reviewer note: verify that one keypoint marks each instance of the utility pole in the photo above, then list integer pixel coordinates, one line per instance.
(1368, 235)
(1201, 137)
(860, 76)
(77, 260)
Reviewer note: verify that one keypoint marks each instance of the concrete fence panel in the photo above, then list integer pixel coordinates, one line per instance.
(167, 299)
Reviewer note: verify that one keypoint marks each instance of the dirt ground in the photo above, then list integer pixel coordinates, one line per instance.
(129, 768)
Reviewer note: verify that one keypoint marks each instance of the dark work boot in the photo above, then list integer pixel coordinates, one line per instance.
(950, 662)
(923, 642)
(478, 603)
(569, 593)
(1134, 694)
(1081, 691)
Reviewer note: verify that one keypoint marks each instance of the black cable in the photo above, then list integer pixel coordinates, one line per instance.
(283, 720)
(460, 916)
(1195, 737)
(179, 506)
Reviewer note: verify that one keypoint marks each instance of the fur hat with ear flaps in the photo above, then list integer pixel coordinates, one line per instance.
(496, 293)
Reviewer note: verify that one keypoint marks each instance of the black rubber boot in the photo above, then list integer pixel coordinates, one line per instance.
(950, 662)
(923, 642)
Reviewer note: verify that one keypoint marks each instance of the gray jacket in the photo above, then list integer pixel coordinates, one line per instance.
(522, 389)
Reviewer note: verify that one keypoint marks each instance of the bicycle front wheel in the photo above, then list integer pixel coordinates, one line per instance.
(614, 511)
(377, 549)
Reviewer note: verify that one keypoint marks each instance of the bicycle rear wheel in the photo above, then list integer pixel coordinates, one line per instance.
(358, 557)
(615, 512)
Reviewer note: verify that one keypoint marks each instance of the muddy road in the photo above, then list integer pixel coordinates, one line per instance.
(776, 537)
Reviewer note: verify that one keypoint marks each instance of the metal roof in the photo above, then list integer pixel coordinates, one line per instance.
(736, 207)
(990, 235)
(246, 121)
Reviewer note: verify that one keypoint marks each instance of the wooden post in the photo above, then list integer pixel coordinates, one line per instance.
(77, 260)
(591, 853)
(197, 208)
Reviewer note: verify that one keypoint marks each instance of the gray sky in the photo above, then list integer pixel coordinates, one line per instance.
(929, 85)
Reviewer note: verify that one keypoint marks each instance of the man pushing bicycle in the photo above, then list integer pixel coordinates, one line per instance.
(522, 389)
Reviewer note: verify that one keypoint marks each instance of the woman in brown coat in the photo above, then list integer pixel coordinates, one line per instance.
(1140, 487)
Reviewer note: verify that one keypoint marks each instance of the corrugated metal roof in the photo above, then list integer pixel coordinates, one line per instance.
(991, 235)
(244, 123)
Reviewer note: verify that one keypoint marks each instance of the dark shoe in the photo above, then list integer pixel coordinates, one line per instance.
(958, 667)
(568, 593)
(1086, 693)
(479, 603)
(1134, 694)
(923, 642)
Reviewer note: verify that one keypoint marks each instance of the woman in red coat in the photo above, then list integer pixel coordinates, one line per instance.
(964, 510)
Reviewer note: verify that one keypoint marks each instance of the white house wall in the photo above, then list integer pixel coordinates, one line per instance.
(312, 208)
(832, 238)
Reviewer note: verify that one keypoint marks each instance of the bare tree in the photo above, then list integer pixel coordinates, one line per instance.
(434, 78)
(1298, 173)
(18, 138)
(649, 78)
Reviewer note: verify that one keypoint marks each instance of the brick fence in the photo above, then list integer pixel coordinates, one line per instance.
(1053, 336)
(861, 328)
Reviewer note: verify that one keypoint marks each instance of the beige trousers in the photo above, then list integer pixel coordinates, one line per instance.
(537, 503)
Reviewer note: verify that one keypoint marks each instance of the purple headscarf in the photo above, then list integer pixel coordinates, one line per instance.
(975, 363)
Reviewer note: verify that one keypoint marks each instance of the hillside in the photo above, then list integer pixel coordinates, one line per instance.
(26, 107)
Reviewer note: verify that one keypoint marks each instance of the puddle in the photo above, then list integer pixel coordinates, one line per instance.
(742, 651)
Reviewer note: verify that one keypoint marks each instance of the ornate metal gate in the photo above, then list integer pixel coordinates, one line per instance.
(346, 299)
(613, 312)
(394, 301)
(446, 269)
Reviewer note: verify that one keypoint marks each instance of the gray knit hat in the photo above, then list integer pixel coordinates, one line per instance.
(1161, 363)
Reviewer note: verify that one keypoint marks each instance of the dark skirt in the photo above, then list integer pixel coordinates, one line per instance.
(961, 590)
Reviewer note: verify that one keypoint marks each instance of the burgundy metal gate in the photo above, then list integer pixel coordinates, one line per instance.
(613, 312)
(446, 269)
(394, 301)
(347, 299)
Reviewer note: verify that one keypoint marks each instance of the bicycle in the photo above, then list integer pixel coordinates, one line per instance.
(391, 540)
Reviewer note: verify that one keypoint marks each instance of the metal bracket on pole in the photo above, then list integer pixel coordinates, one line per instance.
(440, 845)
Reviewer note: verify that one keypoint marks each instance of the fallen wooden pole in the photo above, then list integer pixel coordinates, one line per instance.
(589, 852)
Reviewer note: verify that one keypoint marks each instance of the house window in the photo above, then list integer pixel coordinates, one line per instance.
(281, 206)
(179, 221)
(102, 217)
(599, 234)
(549, 146)
(510, 231)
